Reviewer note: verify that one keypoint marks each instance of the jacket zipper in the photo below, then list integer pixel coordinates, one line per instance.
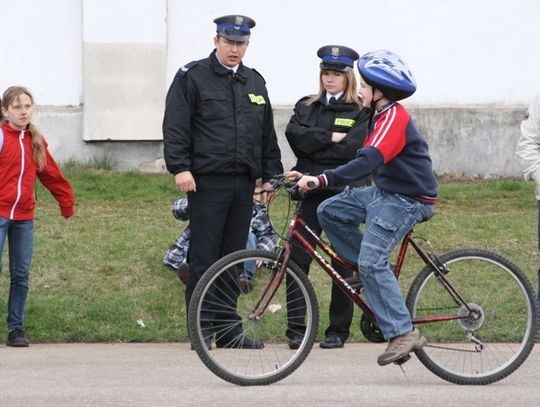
(19, 182)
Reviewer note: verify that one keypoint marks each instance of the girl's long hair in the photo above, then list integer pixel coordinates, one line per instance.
(350, 94)
(38, 146)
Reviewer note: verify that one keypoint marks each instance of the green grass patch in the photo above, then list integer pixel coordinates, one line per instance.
(94, 277)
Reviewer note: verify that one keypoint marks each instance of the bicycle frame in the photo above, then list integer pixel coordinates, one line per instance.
(298, 225)
(480, 341)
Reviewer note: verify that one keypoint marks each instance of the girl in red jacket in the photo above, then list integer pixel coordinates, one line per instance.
(23, 156)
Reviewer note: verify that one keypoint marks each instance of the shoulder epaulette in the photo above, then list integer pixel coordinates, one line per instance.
(258, 73)
(183, 69)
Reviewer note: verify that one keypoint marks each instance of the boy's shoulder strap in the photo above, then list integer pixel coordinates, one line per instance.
(1, 138)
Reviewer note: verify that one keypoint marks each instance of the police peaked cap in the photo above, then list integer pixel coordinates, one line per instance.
(337, 57)
(234, 27)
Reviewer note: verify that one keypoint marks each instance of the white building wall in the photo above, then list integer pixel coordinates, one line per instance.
(42, 49)
(99, 69)
(124, 69)
(462, 52)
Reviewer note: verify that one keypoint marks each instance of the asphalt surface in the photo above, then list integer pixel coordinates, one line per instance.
(172, 375)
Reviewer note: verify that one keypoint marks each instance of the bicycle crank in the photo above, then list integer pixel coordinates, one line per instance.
(370, 330)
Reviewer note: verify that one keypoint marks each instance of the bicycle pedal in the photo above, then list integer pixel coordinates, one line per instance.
(404, 359)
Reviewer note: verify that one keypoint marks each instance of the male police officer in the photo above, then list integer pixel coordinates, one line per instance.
(219, 138)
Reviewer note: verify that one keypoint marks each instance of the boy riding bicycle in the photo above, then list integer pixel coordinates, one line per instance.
(397, 157)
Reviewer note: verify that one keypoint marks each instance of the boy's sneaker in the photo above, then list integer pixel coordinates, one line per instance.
(17, 338)
(246, 285)
(400, 346)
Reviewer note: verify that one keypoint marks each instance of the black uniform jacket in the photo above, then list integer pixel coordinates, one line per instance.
(218, 122)
(310, 129)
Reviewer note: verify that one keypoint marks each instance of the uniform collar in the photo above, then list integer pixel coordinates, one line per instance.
(221, 69)
(329, 96)
(341, 105)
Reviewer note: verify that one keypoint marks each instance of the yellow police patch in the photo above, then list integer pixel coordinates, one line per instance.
(258, 99)
(344, 122)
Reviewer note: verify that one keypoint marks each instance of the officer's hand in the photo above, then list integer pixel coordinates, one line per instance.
(307, 183)
(337, 137)
(185, 181)
(293, 175)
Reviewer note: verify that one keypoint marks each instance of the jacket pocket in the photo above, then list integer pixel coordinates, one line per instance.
(213, 105)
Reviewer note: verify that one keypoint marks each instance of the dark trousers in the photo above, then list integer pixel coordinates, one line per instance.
(341, 308)
(220, 215)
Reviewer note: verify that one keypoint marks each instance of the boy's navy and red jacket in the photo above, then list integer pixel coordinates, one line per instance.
(395, 154)
(18, 176)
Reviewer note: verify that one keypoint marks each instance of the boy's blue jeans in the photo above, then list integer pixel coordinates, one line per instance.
(20, 235)
(387, 218)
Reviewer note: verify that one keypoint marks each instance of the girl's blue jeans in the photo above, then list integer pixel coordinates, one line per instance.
(20, 236)
(387, 218)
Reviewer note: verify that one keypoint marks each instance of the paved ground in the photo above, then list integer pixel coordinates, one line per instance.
(172, 375)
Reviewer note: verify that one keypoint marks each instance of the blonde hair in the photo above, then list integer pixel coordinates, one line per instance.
(11, 95)
(350, 93)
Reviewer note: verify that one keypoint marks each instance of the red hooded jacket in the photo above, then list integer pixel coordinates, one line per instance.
(18, 176)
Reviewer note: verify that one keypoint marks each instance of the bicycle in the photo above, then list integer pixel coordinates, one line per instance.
(477, 310)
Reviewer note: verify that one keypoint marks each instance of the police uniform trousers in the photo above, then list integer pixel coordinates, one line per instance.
(220, 215)
(341, 307)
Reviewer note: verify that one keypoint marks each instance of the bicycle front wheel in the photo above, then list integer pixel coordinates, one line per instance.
(497, 325)
(238, 328)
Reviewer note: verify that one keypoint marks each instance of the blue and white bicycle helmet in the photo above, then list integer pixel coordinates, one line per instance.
(386, 71)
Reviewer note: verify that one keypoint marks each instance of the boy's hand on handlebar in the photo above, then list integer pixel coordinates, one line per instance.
(307, 183)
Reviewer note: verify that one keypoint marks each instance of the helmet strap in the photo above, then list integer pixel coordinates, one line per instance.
(374, 102)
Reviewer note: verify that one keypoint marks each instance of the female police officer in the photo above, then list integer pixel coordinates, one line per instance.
(324, 132)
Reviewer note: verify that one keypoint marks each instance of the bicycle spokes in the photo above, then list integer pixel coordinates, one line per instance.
(479, 318)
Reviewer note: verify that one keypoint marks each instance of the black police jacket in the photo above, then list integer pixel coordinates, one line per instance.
(310, 129)
(218, 122)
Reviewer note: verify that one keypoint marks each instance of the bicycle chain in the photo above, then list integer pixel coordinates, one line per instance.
(447, 348)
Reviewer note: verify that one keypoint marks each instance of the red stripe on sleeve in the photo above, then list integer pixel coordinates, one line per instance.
(389, 133)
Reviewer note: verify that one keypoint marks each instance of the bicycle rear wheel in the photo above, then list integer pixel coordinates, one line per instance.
(221, 309)
(495, 338)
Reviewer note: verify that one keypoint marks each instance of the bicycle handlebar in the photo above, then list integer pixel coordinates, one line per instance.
(281, 181)
(291, 185)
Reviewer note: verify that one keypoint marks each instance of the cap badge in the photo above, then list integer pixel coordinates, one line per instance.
(335, 51)
(238, 20)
